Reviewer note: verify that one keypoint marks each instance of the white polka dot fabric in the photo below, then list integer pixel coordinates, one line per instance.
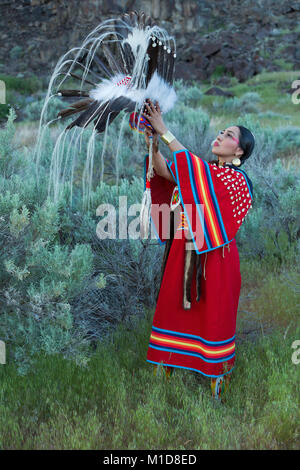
(235, 183)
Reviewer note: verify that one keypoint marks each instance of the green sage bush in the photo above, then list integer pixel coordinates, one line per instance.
(62, 288)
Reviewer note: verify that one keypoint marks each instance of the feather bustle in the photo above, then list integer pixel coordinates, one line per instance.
(109, 99)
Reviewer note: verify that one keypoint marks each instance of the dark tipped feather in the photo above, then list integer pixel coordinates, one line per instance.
(88, 115)
(142, 20)
(129, 57)
(79, 104)
(122, 103)
(169, 74)
(120, 57)
(80, 78)
(114, 65)
(112, 110)
(134, 17)
(90, 69)
(148, 21)
(161, 60)
(101, 66)
(97, 112)
(121, 28)
(126, 18)
(105, 120)
(165, 63)
(63, 113)
(76, 107)
(131, 20)
(152, 62)
(73, 93)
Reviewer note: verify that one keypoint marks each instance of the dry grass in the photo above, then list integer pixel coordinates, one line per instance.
(26, 133)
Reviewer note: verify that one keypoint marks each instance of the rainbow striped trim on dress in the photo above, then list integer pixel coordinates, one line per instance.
(203, 193)
(192, 345)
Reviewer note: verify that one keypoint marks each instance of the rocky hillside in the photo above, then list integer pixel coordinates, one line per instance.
(213, 36)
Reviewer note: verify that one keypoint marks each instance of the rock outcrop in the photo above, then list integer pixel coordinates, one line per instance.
(213, 37)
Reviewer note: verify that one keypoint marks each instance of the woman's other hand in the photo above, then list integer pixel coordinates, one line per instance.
(154, 116)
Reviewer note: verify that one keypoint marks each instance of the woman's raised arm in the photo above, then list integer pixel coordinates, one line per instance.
(175, 145)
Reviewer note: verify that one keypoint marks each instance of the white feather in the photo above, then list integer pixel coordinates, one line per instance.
(157, 90)
(138, 37)
(161, 91)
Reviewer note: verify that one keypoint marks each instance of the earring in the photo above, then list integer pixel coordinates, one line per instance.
(236, 162)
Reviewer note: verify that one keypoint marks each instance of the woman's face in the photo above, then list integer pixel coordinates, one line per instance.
(226, 144)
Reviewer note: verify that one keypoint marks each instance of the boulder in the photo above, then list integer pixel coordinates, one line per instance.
(218, 92)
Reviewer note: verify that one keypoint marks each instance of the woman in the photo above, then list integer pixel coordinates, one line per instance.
(195, 318)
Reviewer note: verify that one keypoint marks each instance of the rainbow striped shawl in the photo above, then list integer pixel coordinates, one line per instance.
(215, 200)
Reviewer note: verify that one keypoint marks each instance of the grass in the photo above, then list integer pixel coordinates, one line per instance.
(117, 403)
(17, 88)
(268, 299)
(283, 64)
(22, 85)
(269, 86)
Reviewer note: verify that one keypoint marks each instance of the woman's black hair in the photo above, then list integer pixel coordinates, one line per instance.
(247, 143)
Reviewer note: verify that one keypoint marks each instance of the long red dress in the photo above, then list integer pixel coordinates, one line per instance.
(201, 338)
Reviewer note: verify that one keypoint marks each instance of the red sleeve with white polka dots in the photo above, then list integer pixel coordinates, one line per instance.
(234, 194)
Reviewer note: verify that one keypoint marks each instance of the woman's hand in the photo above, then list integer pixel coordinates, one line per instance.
(149, 132)
(153, 115)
